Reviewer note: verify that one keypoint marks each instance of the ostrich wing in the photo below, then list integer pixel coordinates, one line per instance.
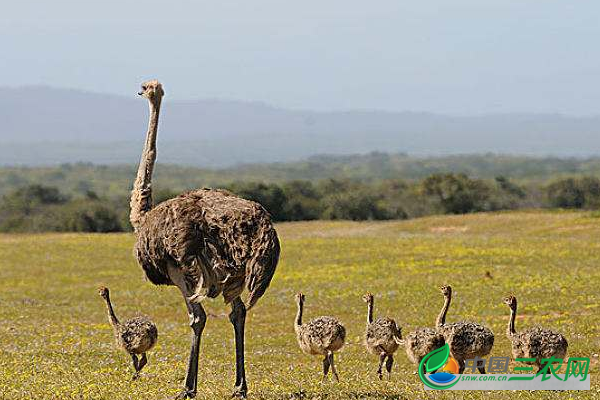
(218, 240)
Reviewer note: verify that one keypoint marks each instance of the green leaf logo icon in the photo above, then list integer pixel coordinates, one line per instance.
(437, 358)
(432, 362)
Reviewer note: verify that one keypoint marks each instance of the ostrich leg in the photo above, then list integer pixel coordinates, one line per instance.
(238, 319)
(135, 366)
(138, 365)
(380, 368)
(197, 323)
(325, 368)
(333, 370)
(461, 366)
(388, 366)
(143, 362)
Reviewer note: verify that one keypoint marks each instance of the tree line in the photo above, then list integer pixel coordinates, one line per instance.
(39, 208)
(115, 180)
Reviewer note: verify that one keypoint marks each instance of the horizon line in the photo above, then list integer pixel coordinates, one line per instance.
(305, 110)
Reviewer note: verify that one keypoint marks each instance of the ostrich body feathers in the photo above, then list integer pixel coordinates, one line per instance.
(321, 335)
(382, 335)
(538, 343)
(220, 242)
(467, 339)
(421, 342)
(136, 335)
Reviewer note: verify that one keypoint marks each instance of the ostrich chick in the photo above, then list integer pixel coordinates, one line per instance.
(421, 342)
(466, 339)
(321, 336)
(136, 335)
(537, 342)
(383, 337)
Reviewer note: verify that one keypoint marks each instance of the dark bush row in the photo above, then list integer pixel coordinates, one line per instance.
(39, 208)
(575, 193)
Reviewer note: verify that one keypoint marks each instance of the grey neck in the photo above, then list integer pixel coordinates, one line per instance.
(141, 197)
(299, 314)
(370, 312)
(441, 319)
(511, 321)
(111, 313)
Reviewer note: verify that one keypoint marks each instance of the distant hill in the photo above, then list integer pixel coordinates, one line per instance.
(44, 126)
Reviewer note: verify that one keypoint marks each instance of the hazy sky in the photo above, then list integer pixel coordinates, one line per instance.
(449, 56)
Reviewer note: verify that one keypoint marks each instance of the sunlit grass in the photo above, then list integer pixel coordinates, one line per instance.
(55, 341)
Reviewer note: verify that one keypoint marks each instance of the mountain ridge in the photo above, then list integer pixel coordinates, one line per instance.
(44, 125)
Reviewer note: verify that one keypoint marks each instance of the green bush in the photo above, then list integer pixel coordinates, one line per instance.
(88, 216)
(303, 201)
(271, 196)
(39, 208)
(350, 200)
(574, 193)
(457, 193)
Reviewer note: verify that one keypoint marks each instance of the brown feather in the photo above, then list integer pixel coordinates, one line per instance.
(220, 241)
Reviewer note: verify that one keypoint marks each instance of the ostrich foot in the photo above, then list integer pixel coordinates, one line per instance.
(135, 376)
(240, 392)
(186, 394)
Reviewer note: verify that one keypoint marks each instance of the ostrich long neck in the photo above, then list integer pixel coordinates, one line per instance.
(370, 312)
(511, 321)
(441, 319)
(111, 313)
(299, 315)
(141, 196)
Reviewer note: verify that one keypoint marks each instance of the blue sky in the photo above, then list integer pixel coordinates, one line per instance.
(448, 56)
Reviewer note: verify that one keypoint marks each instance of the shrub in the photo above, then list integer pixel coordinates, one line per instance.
(457, 193)
(88, 216)
(303, 201)
(270, 196)
(39, 208)
(574, 193)
(349, 200)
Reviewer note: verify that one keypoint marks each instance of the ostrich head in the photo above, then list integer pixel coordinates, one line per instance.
(152, 90)
(300, 298)
(511, 301)
(103, 291)
(368, 297)
(446, 290)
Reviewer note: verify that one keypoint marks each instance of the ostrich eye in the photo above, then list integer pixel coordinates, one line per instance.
(144, 88)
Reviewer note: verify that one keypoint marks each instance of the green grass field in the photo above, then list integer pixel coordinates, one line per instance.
(56, 343)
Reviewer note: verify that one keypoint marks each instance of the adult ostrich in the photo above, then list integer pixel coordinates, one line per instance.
(206, 242)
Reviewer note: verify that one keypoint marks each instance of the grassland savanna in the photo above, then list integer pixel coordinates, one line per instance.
(56, 342)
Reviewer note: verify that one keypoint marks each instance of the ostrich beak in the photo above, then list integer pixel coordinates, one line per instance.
(140, 93)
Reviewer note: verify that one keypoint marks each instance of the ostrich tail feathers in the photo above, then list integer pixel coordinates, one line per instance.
(204, 278)
(261, 268)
